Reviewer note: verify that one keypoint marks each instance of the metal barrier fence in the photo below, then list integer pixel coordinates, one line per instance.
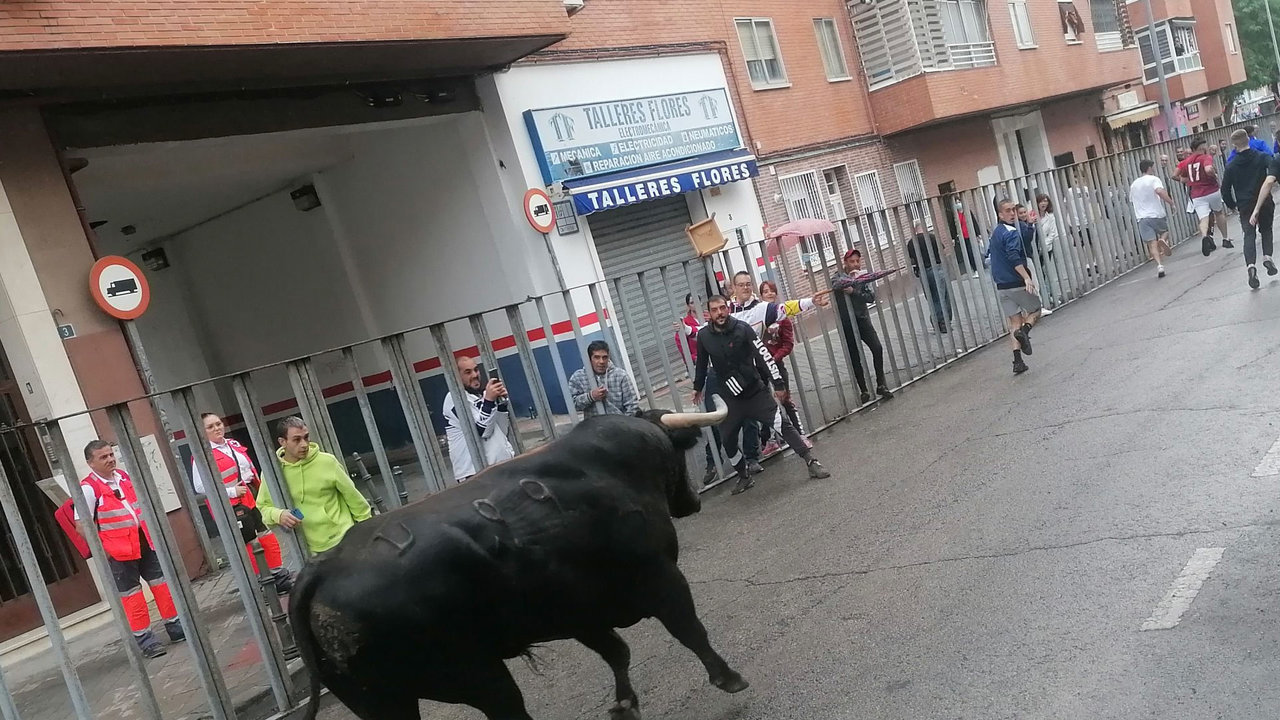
(386, 401)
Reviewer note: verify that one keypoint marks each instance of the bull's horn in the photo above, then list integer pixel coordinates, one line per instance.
(698, 419)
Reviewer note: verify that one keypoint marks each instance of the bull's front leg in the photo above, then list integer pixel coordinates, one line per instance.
(679, 616)
(609, 645)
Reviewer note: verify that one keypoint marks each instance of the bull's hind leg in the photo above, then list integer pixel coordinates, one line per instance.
(382, 705)
(610, 646)
(488, 687)
(678, 614)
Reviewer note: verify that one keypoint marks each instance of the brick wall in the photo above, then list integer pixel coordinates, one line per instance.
(811, 111)
(47, 24)
(1021, 76)
(1072, 126)
(953, 152)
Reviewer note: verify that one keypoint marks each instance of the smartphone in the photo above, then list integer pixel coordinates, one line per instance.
(493, 374)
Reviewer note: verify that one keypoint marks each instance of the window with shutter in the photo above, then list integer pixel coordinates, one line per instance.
(760, 50)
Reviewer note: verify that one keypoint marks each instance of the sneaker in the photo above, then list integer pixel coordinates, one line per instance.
(174, 628)
(1253, 277)
(1269, 265)
(1226, 243)
(1019, 367)
(1159, 271)
(1207, 246)
(865, 397)
(770, 448)
(883, 392)
(817, 472)
(754, 467)
(745, 483)
(1045, 312)
(975, 275)
(709, 476)
(1024, 339)
(284, 581)
(149, 645)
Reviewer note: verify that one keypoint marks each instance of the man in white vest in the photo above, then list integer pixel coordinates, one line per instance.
(486, 406)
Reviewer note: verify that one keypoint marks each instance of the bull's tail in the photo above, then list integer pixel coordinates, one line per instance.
(300, 618)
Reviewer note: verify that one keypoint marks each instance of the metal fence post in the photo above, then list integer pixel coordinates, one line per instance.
(189, 418)
(490, 359)
(414, 406)
(556, 361)
(371, 427)
(475, 444)
(61, 460)
(530, 364)
(40, 593)
(167, 550)
(269, 469)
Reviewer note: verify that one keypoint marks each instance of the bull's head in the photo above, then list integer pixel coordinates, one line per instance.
(685, 429)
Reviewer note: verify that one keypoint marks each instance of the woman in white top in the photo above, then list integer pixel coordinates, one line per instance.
(1047, 224)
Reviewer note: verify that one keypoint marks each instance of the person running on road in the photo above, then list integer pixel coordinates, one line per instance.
(746, 371)
(687, 329)
(1014, 286)
(1198, 172)
(1148, 197)
(1242, 186)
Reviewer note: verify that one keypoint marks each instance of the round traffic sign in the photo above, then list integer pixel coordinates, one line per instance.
(539, 211)
(119, 287)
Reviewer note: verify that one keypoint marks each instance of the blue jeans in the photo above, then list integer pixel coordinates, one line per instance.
(750, 430)
(938, 287)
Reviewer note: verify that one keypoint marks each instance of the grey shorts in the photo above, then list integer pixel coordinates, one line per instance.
(1152, 228)
(1016, 301)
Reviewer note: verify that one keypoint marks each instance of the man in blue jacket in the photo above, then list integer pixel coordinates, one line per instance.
(1014, 287)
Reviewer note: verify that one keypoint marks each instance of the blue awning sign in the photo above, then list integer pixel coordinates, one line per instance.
(606, 192)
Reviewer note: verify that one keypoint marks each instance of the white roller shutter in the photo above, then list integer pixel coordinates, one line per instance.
(646, 236)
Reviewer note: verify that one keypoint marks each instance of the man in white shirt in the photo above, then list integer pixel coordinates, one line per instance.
(1148, 197)
(486, 406)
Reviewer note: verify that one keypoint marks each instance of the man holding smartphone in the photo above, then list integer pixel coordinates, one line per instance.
(486, 406)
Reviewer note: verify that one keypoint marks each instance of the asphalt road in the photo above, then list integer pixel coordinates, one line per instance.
(990, 546)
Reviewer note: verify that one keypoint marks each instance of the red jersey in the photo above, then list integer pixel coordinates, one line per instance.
(1192, 170)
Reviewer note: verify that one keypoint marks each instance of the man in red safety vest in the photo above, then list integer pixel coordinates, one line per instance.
(240, 479)
(127, 544)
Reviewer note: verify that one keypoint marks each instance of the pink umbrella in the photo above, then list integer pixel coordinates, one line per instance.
(788, 235)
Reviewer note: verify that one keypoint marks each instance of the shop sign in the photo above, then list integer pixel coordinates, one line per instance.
(575, 141)
(651, 186)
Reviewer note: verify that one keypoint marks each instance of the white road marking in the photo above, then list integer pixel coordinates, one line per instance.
(1169, 612)
(1270, 464)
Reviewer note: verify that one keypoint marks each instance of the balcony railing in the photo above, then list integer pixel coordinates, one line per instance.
(972, 55)
(1186, 63)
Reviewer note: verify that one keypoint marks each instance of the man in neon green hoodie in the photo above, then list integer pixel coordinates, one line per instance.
(321, 489)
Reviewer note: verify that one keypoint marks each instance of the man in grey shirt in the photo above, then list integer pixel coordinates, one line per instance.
(608, 391)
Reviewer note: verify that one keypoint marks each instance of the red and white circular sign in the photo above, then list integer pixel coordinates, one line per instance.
(539, 210)
(119, 287)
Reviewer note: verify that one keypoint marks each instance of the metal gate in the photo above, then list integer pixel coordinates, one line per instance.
(24, 464)
(641, 238)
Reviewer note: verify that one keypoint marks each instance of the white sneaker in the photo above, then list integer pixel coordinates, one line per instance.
(1045, 312)
(975, 274)
(1159, 271)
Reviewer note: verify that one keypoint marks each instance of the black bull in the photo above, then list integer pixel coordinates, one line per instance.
(567, 542)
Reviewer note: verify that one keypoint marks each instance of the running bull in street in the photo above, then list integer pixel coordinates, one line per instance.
(566, 542)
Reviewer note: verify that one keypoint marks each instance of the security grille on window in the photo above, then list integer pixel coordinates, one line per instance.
(829, 44)
(803, 197)
(1106, 25)
(911, 185)
(1021, 17)
(760, 48)
(871, 202)
(887, 41)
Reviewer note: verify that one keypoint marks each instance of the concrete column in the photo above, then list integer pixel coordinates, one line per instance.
(44, 270)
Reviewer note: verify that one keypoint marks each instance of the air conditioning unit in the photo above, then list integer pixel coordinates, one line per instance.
(573, 6)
